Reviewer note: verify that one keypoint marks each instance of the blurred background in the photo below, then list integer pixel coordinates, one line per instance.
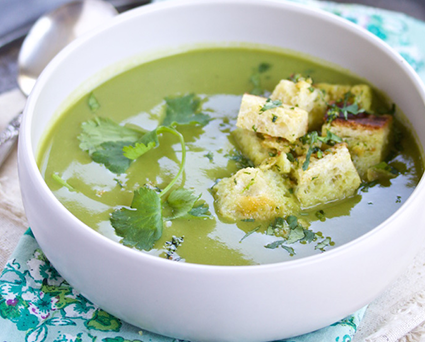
(17, 16)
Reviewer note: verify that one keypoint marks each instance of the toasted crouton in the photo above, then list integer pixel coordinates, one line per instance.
(254, 194)
(361, 94)
(367, 137)
(250, 145)
(304, 96)
(282, 120)
(332, 177)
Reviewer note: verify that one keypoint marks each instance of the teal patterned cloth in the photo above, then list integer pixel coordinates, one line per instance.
(38, 305)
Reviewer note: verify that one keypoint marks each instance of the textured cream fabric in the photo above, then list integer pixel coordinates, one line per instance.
(12, 218)
(398, 315)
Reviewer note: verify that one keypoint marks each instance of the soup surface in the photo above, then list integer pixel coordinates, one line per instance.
(207, 84)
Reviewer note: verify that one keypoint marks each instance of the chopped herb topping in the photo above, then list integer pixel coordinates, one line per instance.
(323, 244)
(254, 128)
(171, 247)
(290, 157)
(345, 108)
(210, 156)
(270, 104)
(320, 214)
(249, 233)
(274, 118)
(241, 161)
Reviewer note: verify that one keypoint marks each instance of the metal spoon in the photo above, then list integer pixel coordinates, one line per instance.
(50, 34)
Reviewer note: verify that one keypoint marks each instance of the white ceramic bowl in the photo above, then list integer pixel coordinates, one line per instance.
(211, 303)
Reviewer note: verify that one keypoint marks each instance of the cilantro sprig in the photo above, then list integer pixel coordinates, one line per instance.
(294, 232)
(116, 147)
(345, 108)
(270, 104)
(311, 139)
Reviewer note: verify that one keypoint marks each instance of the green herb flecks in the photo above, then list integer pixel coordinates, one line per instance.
(171, 247)
(345, 108)
(242, 162)
(255, 78)
(320, 214)
(249, 233)
(270, 104)
(93, 103)
(323, 244)
(210, 156)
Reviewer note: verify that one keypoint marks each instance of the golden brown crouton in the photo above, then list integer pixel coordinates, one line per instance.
(328, 178)
(367, 137)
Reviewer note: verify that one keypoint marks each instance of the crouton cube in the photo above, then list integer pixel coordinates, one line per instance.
(367, 137)
(250, 145)
(329, 178)
(278, 120)
(361, 94)
(303, 95)
(254, 194)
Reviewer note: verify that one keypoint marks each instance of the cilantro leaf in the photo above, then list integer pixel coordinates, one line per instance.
(93, 103)
(110, 154)
(330, 138)
(280, 243)
(141, 225)
(295, 235)
(184, 110)
(345, 108)
(323, 244)
(181, 202)
(200, 211)
(139, 148)
(270, 104)
(99, 130)
(275, 244)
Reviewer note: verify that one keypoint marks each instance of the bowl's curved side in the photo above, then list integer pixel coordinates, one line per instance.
(207, 303)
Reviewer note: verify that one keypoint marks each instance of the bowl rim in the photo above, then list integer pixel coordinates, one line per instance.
(117, 247)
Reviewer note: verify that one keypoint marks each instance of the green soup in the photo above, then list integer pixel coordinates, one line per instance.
(218, 77)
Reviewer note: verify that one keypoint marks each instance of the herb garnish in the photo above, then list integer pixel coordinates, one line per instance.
(242, 162)
(270, 104)
(117, 146)
(292, 231)
(345, 108)
(249, 233)
(172, 246)
(311, 139)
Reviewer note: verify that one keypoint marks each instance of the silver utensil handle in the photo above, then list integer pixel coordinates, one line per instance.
(8, 137)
